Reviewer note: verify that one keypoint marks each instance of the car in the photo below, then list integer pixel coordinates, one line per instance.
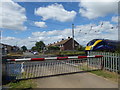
(35, 53)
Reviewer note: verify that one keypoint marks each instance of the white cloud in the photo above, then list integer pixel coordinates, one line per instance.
(40, 24)
(97, 9)
(84, 36)
(114, 19)
(97, 31)
(55, 12)
(12, 16)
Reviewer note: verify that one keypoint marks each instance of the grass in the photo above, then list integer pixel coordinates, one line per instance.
(26, 84)
(106, 74)
(71, 52)
(65, 53)
(103, 73)
(14, 54)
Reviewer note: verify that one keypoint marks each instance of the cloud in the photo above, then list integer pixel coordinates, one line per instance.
(40, 24)
(13, 16)
(83, 34)
(95, 9)
(114, 19)
(55, 12)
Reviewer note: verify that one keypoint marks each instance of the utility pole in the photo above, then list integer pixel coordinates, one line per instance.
(73, 35)
(1, 59)
(0, 36)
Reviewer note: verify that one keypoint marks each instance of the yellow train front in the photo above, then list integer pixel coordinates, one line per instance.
(102, 45)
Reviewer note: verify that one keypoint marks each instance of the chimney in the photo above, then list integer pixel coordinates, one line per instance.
(68, 37)
(62, 39)
(57, 41)
(54, 42)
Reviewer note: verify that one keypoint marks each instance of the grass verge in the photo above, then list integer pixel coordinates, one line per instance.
(71, 53)
(106, 74)
(103, 73)
(26, 84)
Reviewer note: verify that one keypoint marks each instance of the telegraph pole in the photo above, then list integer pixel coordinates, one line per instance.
(0, 36)
(73, 35)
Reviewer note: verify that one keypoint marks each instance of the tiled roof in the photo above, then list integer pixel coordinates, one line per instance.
(61, 42)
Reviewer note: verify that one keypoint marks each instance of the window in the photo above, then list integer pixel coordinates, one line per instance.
(76, 45)
(92, 42)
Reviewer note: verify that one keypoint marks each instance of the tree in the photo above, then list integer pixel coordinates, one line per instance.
(81, 48)
(34, 48)
(39, 46)
(53, 48)
(24, 48)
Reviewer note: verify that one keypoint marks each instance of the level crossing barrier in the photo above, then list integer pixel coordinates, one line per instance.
(26, 68)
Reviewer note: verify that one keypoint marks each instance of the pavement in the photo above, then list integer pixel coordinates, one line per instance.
(78, 80)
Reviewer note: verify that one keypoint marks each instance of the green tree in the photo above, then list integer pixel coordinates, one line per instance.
(81, 48)
(39, 46)
(34, 48)
(53, 48)
(24, 48)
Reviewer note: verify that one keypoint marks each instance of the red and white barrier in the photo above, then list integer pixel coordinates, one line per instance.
(55, 58)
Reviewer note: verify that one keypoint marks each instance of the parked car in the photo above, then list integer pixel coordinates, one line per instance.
(35, 53)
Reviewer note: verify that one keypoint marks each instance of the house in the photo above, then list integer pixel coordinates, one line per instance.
(66, 44)
(5, 49)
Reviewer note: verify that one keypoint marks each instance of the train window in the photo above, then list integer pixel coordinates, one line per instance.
(92, 42)
(100, 43)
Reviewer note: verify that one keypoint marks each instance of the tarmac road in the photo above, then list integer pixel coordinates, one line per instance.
(79, 80)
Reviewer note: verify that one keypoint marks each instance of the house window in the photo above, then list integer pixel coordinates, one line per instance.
(61, 45)
(76, 45)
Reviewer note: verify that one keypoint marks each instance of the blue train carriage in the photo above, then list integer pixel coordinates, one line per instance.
(103, 45)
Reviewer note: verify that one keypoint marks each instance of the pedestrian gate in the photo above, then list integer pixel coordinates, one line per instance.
(39, 67)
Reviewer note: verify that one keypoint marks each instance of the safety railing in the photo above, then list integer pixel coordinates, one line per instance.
(110, 61)
(39, 67)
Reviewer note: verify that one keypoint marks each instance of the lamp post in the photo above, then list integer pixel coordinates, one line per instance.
(73, 35)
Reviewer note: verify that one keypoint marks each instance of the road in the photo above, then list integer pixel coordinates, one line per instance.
(79, 80)
(31, 55)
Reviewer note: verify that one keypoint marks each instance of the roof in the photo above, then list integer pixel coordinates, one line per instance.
(5, 44)
(61, 42)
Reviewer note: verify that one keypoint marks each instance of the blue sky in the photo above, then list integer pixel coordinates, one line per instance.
(24, 22)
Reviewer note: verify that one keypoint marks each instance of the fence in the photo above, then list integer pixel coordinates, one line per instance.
(39, 67)
(110, 61)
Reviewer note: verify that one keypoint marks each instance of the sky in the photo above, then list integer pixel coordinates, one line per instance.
(24, 23)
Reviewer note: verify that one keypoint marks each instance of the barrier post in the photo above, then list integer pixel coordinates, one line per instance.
(88, 53)
(22, 69)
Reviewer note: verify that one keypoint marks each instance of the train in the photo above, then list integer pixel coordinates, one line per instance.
(103, 45)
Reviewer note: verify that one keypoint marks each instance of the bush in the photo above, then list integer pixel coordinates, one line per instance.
(53, 48)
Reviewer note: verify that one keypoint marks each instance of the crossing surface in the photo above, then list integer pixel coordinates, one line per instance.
(79, 80)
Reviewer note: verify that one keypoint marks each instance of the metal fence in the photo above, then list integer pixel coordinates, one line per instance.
(110, 61)
(33, 69)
